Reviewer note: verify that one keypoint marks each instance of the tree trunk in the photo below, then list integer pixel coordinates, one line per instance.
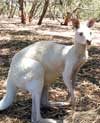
(1, 11)
(32, 10)
(44, 11)
(12, 12)
(11, 8)
(22, 9)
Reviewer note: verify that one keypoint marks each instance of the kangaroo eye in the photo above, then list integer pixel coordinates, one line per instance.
(80, 33)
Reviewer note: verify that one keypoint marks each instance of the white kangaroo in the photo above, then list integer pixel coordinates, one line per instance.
(35, 67)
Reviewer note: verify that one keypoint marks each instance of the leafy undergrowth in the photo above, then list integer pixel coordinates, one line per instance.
(87, 88)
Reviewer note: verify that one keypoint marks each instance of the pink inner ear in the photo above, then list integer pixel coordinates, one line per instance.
(91, 23)
(75, 23)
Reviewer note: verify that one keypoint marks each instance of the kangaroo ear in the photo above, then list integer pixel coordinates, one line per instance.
(75, 23)
(91, 23)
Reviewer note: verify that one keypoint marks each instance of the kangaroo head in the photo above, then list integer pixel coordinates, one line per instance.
(83, 34)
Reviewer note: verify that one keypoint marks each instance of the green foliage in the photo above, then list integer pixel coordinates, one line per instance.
(3, 7)
(90, 9)
(59, 8)
(87, 8)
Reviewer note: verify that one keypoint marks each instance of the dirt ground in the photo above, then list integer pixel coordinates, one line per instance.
(15, 36)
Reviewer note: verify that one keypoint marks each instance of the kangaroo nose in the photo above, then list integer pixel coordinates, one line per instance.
(88, 42)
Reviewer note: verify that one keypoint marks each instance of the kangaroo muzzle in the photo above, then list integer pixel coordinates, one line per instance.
(88, 42)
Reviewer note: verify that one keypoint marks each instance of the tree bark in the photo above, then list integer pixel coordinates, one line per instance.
(22, 9)
(32, 10)
(46, 4)
(11, 8)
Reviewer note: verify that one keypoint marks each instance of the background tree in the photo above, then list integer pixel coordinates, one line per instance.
(22, 4)
(34, 8)
(55, 9)
(44, 11)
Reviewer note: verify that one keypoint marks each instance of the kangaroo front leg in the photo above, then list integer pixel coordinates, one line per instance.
(75, 70)
(69, 83)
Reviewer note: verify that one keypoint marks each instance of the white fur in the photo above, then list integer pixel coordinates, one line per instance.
(39, 64)
(86, 34)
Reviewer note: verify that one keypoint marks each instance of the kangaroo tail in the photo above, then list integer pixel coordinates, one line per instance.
(9, 97)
